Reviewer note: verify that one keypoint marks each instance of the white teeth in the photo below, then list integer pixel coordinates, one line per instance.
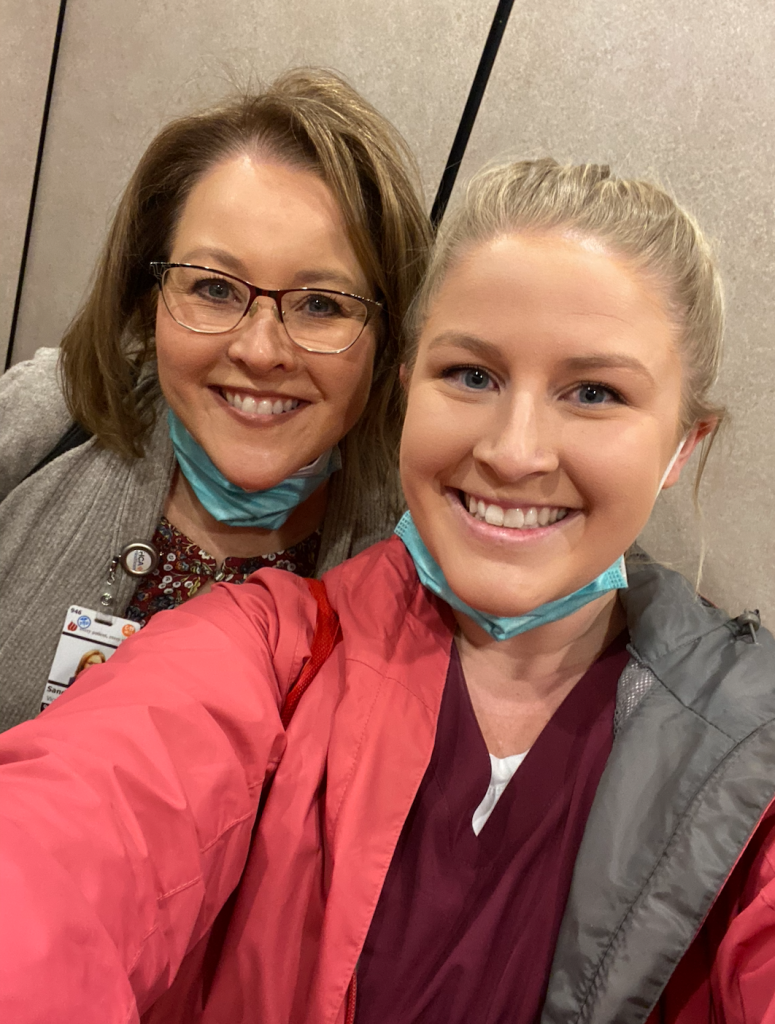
(494, 515)
(514, 518)
(261, 406)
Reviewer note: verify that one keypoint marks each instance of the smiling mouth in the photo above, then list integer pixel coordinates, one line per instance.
(258, 406)
(522, 517)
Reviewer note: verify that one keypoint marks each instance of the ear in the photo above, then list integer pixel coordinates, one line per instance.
(700, 430)
(403, 376)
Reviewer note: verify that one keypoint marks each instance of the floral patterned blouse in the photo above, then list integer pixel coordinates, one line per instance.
(183, 568)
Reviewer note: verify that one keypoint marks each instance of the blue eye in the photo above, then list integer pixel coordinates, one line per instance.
(594, 394)
(476, 378)
(213, 289)
(469, 378)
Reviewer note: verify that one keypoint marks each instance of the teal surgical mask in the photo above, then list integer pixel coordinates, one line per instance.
(266, 510)
(500, 627)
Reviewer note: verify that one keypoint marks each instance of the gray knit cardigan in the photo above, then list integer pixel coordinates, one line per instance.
(61, 527)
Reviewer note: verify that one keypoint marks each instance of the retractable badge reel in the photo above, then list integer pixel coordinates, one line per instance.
(90, 637)
(138, 559)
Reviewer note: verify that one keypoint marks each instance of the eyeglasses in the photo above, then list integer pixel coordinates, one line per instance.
(209, 301)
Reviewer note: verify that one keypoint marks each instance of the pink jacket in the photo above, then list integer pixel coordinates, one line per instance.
(128, 810)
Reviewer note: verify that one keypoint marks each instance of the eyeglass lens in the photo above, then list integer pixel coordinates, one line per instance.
(204, 301)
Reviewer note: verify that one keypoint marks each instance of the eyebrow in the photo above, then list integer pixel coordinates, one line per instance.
(612, 361)
(476, 346)
(321, 276)
(482, 349)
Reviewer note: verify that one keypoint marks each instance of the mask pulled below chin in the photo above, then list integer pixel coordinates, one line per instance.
(228, 503)
(501, 627)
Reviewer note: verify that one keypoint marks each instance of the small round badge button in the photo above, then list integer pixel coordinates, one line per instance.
(139, 558)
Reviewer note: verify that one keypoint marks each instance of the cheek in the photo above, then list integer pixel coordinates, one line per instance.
(430, 442)
(181, 357)
(617, 479)
(169, 351)
(346, 381)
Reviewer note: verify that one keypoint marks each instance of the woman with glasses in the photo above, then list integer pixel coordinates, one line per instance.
(227, 397)
(508, 770)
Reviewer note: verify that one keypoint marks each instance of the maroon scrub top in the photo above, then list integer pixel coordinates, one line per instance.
(465, 927)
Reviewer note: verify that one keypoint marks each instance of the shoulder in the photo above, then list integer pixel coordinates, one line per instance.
(381, 606)
(33, 415)
(382, 574)
(386, 614)
(702, 655)
(25, 386)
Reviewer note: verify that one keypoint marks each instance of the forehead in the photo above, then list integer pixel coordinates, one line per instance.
(242, 184)
(555, 293)
(260, 215)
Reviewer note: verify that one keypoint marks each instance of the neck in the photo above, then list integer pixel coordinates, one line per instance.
(516, 685)
(184, 510)
(574, 641)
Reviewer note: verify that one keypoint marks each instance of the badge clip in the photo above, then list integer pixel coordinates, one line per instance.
(107, 597)
(138, 558)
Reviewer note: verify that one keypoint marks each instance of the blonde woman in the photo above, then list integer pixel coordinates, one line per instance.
(235, 365)
(505, 771)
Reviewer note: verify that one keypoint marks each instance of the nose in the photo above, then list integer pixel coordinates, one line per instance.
(518, 440)
(260, 342)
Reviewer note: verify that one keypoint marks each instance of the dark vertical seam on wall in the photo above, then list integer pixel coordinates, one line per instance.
(35, 179)
(471, 109)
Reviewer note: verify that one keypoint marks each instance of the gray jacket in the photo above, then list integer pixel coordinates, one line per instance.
(60, 528)
(691, 772)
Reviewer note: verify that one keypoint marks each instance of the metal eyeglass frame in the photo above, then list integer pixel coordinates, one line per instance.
(158, 269)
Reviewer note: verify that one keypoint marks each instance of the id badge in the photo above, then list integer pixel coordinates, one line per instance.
(88, 638)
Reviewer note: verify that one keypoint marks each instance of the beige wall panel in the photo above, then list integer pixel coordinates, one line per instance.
(127, 68)
(26, 38)
(682, 90)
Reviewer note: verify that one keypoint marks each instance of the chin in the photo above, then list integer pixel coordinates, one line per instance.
(502, 593)
(505, 611)
(250, 473)
(508, 606)
(249, 481)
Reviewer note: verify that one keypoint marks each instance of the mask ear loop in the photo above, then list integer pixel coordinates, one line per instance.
(671, 463)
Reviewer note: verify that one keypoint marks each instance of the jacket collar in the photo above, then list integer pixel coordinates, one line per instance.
(690, 775)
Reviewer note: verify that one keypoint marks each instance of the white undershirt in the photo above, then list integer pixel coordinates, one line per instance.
(502, 770)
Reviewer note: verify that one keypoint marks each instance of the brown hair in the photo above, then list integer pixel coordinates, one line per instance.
(85, 661)
(635, 219)
(309, 118)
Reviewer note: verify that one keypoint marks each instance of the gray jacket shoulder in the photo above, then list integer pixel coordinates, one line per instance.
(699, 654)
(33, 416)
(691, 771)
